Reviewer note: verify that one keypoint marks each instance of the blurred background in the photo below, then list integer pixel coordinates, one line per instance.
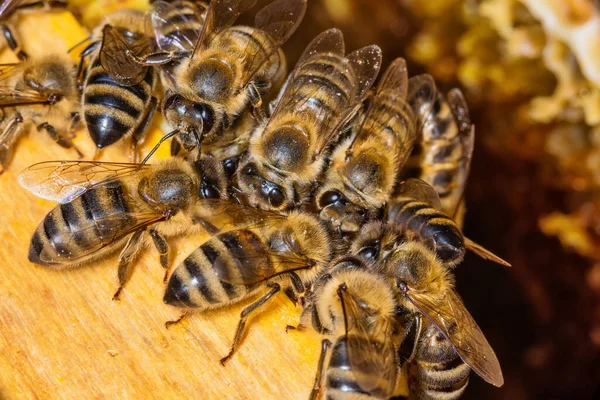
(531, 73)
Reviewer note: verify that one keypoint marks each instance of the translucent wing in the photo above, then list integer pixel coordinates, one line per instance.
(91, 236)
(421, 97)
(466, 130)
(12, 97)
(249, 260)
(220, 15)
(389, 113)
(364, 64)
(458, 326)
(8, 70)
(419, 190)
(177, 25)
(371, 351)
(219, 215)
(115, 57)
(279, 20)
(62, 181)
(329, 42)
(484, 253)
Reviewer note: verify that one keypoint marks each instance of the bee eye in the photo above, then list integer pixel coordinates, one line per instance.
(230, 165)
(332, 197)
(276, 197)
(172, 101)
(250, 170)
(206, 113)
(209, 192)
(369, 253)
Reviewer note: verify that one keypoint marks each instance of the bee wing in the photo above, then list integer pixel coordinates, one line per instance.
(253, 264)
(392, 89)
(177, 25)
(365, 62)
(279, 20)
(8, 70)
(116, 60)
(371, 351)
(485, 253)
(220, 215)
(12, 97)
(420, 191)
(458, 326)
(331, 42)
(421, 97)
(102, 232)
(62, 181)
(220, 15)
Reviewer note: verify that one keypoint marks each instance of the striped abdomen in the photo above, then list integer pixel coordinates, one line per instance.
(84, 228)
(323, 86)
(181, 25)
(216, 273)
(239, 41)
(113, 111)
(341, 381)
(437, 372)
(442, 153)
(419, 221)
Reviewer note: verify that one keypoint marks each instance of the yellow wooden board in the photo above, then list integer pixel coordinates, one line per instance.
(62, 337)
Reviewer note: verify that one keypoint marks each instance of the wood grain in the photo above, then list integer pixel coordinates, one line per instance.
(61, 336)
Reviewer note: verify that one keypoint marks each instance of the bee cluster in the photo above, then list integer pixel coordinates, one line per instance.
(346, 198)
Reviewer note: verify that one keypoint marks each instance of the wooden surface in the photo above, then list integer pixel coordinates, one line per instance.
(61, 336)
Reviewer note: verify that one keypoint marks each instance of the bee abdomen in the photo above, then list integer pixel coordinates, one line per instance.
(438, 381)
(213, 274)
(341, 378)
(111, 110)
(73, 230)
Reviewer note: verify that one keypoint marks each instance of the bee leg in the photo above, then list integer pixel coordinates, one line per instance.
(178, 320)
(62, 141)
(97, 154)
(256, 102)
(325, 345)
(12, 42)
(163, 249)
(81, 71)
(125, 260)
(140, 131)
(7, 139)
(244, 317)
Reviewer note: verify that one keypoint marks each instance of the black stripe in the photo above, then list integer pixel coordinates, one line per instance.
(35, 248)
(110, 100)
(320, 81)
(248, 36)
(331, 65)
(444, 153)
(105, 129)
(69, 215)
(201, 282)
(103, 78)
(92, 203)
(339, 359)
(212, 255)
(87, 208)
(117, 195)
(244, 246)
(440, 127)
(50, 228)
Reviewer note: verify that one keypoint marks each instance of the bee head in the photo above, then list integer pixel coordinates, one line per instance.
(192, 119)
(266, 191)
(335, 207)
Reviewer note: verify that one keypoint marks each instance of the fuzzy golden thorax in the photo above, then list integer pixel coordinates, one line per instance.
(414, 265)
(371, 291)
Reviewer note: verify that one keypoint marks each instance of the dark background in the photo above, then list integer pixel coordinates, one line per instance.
(537, 315)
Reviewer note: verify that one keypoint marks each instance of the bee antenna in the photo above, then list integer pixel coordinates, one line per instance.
(161, 141)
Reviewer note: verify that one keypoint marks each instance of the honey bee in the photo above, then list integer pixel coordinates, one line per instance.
(285, 154)
(116, 102)
(362, 176)
(355, 305)
(444, 330)
(40, 92)
(447, 147)
(107, 206)
(415, 210)
(230, 70)
(282, 252)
